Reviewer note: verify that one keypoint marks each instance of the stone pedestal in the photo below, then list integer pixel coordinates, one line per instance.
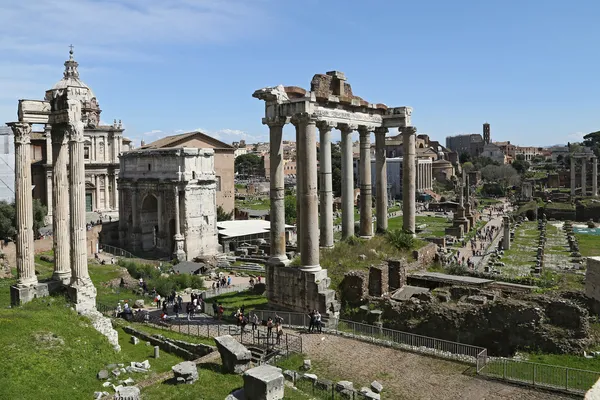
(179, 252)
(21, 295)
(264, 382)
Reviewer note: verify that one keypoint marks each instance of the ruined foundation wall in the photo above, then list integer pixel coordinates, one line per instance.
(592, 278)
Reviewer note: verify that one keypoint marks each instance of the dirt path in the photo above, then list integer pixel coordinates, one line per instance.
(406, 375)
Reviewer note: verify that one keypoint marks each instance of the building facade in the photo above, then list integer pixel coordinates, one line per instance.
(224, 161)
(102, 146)
(168, 202)
(423, 182)
(471, 144)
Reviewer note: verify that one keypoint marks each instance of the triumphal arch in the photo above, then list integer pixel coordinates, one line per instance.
(329, 104)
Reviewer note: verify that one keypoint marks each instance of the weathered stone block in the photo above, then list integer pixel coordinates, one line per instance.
(134, 340)
(185, 372)
(263, 383)
(234, 356)
(127, 393)
(103, 374)
(376, 387)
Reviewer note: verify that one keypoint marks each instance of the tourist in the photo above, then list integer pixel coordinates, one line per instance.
(279, 331)
(243, 309)
(318, 322)
(214, 285)
(251, 282)
(259, 279)
(118, 310)
(244, 322)
(188, 310)
(254, 319)
(176, 309)
(157, 300)
(269, 327)
(164, 306)
(228, 281)
(311, 323)
(145, 287)
(180, 301)
(221, 310)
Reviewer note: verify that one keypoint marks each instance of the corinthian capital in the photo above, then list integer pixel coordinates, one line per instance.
(326, 125)
(276, 121)
(75, 131)
(304, 117)
(366, 129)
(408, 130)
(347, 128)
(380, 130)
(22, 132)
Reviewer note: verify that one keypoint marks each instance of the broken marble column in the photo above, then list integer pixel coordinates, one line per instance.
(24, 206)
(326, 189)
(381, 194)
(347, 181)
(82, 290)
(61, 201)
(583, 176)
(178, 238)
(366, 200)
(573, 183)
(594, 176)
(409, 134)
(277, 194)
(309, 223)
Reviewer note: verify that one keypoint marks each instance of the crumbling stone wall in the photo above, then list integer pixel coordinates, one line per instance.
(396, 274)
(378, 280)
(592, 278)
(423, 257)
(354, 288)
(503, 326)
(185, 350)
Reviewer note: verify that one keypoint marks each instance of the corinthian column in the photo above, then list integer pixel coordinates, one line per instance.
(179, 238)
(366, 200)
(583, 176)
(573, 183)
(594, 176)
(83, 292)
(106, 193)
(61, 201)
(347, 181)
(299, 175)
(381, 180)
(277, 194)
(326, 191)
(408, 178)
(23, 205)
(307, 146)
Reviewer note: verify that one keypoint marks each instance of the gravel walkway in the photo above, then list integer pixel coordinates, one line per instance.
(406, 375)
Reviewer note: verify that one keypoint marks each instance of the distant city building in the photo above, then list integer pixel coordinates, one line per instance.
(494, 152)
(7, 164)
(471, 144)
(486, 133)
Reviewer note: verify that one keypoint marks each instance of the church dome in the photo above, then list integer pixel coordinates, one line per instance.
(71, 77)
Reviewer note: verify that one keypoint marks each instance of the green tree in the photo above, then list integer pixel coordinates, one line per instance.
(521, 166)
(468, 167)
(464, 157)
(8, 223)
(290, 209)
(249, 164)
(222, 215)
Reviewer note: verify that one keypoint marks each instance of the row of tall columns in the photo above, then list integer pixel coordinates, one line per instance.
(24, 205)
(584, 191)
(424, 175)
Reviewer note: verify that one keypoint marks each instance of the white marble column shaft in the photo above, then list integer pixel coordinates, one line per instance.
(277, 191)
(381, 180)
(326, 187)
(573, 183)
(24, 205)
(60, 218)
(366, 198)
(307, 145)
(300, 160)
(594, 176)
(97, 199)
(408, 178)
(347, 181)
(583, 177)
(106, 193)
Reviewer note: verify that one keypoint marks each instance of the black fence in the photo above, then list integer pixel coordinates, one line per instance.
(325, 389)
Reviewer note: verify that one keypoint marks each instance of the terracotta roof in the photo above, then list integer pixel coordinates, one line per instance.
(174, 140)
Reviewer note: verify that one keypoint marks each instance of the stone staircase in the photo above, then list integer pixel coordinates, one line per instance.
(258, 354)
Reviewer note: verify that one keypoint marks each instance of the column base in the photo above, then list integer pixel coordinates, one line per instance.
(82, 293)
(366, 236)
(326, 247)
(179, 253)
(62, 277)
(20, 295)
(310, 268)
(279, 261)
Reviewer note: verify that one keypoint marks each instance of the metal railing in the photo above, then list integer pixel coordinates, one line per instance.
(259, 336)
(117, 252)
(553, 377)
(210, 293)
(325, 389)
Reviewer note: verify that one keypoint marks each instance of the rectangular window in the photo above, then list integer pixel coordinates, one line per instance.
(218, 183)
(86, 153)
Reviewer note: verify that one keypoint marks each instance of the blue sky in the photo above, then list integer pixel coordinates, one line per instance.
(528, 67)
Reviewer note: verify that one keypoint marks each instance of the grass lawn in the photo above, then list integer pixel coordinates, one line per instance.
(49, 352)
(523, 248)
(589, 245)
(435, 226)
(232, 301)
(344, 256)
(260, 204)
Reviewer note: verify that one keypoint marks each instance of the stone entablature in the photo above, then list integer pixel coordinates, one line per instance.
(168, 202)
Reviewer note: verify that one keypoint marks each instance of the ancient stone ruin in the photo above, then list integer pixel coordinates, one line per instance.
(329, 104)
